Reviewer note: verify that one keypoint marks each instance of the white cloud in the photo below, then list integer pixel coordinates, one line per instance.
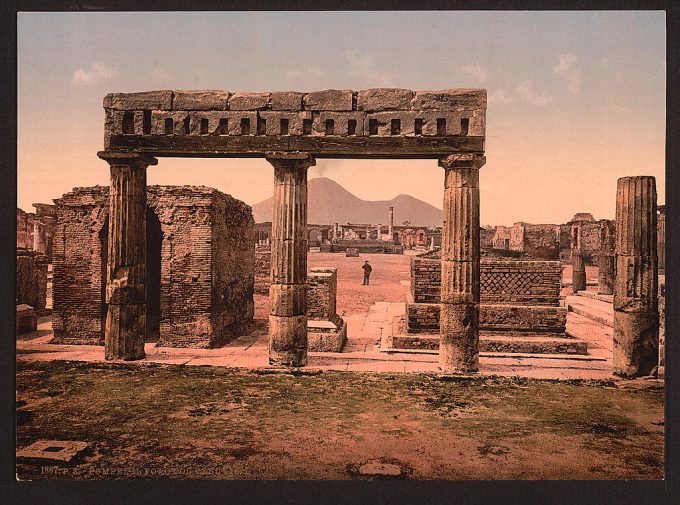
(475, 71)
(500, 96)
(614, 108)
(570, 69)
(309, 72)
(97, 72)
(526, 91)
(362, 66)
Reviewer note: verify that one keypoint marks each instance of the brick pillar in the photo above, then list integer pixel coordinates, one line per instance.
(636, 317)
(288, 292)
(126, 266)
(459, 313)
(606, 263)
(578, 267)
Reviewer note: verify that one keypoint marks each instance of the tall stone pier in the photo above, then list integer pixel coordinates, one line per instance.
(636, 317)
(288, 292)
(126, 260)
(390, 226)
(606, 263)
(578, 267)
(459, 314)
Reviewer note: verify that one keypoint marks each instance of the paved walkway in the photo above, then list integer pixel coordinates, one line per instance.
(362, 352)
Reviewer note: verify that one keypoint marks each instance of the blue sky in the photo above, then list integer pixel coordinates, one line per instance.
(576, 99)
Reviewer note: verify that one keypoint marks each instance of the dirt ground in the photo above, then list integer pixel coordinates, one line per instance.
(352, 297)
(166, 421)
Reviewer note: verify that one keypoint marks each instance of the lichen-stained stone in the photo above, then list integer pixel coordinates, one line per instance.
(249, 101)
(329, 99)
(340, 123)
(145, 100)
(286, 100)
(381, 99)
(295, 122)
(450, 99)
(200, 100)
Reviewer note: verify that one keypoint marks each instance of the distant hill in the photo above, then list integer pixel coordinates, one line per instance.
(331, 203)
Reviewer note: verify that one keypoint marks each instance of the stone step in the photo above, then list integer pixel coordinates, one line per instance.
(596, 296)
(596, 310)
(496, 344)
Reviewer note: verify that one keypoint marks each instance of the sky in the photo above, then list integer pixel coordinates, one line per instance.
(576, 99)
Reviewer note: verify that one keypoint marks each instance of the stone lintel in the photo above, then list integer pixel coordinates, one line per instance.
(463, 160)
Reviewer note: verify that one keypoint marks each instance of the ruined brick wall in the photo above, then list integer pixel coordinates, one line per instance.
(662, 322)
(501, 281)
(202, 270)
(541, 241)
(24, 238)
(486, 237)
(31, 280)
(233, 270)
(79, 257)
(322, 292)
(263, 274)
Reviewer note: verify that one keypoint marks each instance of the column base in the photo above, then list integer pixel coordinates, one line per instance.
(288, 340)
(459, 341)
(125, 332)
(636, 343)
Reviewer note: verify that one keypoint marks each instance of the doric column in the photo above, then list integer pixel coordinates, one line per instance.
(126, 262)
(288, 292)
(459, 313)
(578, 267)
(606, 264)
(636, 317)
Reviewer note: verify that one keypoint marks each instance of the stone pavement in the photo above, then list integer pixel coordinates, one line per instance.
(362, 352)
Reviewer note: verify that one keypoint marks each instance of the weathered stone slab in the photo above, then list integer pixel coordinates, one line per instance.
(200, 100)
(450, 99)
(159, 118)
(249, 101)
(325, 336)
(381, 99)
(329, 99)
(233, 120)
(145, 100)
(340, 123)
(286, 100)
(295, 122)
(27, 321)
(56, 450)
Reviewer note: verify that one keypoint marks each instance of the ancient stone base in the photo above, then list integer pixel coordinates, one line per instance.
(326, 336)
(352, 252)
(541, 344)
(54, 450)
(27, 320)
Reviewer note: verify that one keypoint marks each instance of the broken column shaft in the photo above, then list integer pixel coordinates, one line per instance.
(288, 291)
(125, 330)
(606, 263)
(578, 267)
(636, 317)
(459, 313)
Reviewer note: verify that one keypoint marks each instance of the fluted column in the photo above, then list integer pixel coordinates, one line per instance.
(459, 313)
(288, 291)
(125, 330)
(578, 267)
(606, 263)
(636, 317)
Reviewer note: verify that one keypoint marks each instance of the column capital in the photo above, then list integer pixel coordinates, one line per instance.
(290, 158)
(140, 160)
(463, 160)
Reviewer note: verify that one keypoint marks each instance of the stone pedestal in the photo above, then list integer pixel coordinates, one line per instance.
(459, 313)
(126, 261)
(288, 292)
(636, 318)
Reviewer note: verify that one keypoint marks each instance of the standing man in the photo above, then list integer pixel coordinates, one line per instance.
(367, 272)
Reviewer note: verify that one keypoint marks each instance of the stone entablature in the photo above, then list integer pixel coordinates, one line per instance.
(132, 119)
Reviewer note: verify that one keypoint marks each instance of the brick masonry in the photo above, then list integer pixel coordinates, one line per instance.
(200, 266)
(31, 287)
(263, 275)
(522, 297)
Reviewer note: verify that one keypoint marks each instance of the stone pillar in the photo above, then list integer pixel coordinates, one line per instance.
(126, 264)
(661, 239)
(606, 263)
(336, 232)
(459, 312)
(288, 292)
(38, 244)
(578, 267)
(636, 317)
(390, 227)
(378, 229)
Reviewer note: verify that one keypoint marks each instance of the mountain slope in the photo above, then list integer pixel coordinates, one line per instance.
(331, 203)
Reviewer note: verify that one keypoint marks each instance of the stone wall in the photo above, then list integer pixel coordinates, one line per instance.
(501, 281)
(662, 324)
(31, 280)
(322, 292)
(200, 266)
(263, 275)
(35, 231)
